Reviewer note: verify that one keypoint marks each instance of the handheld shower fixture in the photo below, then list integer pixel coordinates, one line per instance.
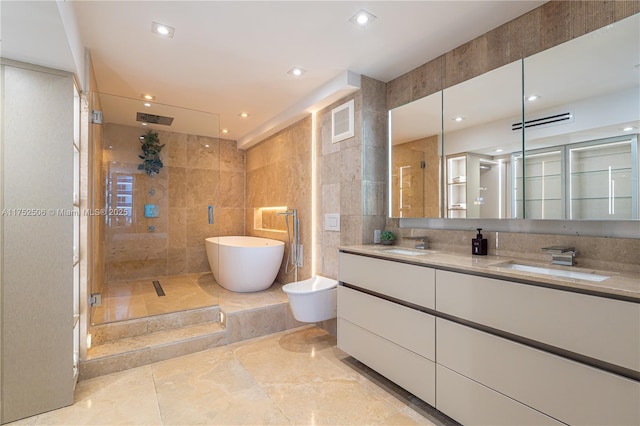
(294, 242)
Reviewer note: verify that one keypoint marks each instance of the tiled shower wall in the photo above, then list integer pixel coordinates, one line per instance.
(198, 172)
(279, 175)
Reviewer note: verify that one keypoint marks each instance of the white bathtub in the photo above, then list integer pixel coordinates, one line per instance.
(244, 264)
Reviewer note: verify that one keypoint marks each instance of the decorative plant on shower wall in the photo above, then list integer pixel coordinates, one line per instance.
(151, 149)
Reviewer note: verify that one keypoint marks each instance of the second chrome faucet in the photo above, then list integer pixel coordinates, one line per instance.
(561, 255)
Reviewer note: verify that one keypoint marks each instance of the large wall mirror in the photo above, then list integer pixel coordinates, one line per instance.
(465, 153)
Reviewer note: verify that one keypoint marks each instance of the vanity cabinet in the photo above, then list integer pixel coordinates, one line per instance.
(571, 392)
(597, 327)
(396, 340)
(485, 350)
(470, 402)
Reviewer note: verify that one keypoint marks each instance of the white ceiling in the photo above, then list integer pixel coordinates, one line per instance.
(228, 57)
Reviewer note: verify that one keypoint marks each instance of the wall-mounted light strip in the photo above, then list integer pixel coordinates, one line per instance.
(314, 194)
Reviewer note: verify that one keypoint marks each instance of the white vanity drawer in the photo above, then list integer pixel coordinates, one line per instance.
(411, 329)
(411, 283)
(601, 328)
(409, 370)
(471, 403)
(566, 390)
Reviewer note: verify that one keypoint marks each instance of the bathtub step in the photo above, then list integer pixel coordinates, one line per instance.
(103, 333)
(131, 352)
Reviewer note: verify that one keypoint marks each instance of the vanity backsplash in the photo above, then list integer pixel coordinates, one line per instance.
(611, 254)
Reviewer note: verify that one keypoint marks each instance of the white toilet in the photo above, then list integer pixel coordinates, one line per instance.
(313, 300)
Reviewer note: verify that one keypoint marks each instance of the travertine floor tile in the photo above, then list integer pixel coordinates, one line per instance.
(297, 377)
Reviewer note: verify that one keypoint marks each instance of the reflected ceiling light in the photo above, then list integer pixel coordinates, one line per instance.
(225, 131)
(206, 145)
(499, 150)
(627, 129)
(362, 18)
(532, 98)
(148, 97)
(296, 72)
(144, 124)
(147, 104)
(244, 114)
(161, 29)
(458, 119)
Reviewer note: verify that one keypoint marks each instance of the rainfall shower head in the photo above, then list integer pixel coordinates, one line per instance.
(153, 119)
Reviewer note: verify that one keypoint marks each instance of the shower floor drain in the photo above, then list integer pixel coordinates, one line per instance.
(158, 287)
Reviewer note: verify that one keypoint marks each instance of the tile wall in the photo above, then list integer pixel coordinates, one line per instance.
(352, 175)
(609, 254)
(198, 171)
(278, 173)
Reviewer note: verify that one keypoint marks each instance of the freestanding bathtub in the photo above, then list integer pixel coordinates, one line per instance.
(244, 264)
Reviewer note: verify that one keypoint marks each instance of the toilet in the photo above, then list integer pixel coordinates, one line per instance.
(313, 300)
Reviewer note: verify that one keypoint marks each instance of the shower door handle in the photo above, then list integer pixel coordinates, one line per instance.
(210, 209)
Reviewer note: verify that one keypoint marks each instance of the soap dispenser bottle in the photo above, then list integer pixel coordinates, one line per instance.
(479, 244)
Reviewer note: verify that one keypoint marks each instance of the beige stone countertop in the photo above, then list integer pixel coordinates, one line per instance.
(624, 286)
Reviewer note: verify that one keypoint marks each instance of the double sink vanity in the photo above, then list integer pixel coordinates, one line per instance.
(495, 340)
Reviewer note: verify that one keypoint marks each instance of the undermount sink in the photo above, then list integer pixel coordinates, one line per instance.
(589, 276)
(405, 252)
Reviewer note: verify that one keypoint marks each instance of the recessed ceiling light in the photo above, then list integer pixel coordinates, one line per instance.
(362, 18)
(161, 29)
(627, 129)
(225, 131)
(244, 114)
(296, 72)
(148, 97)
(458, 119)
(533, 98)
(206, 145)
(499, 150)
(147, 104)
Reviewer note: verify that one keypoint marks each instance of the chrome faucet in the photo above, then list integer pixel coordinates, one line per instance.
(421, 242)
(561, 255)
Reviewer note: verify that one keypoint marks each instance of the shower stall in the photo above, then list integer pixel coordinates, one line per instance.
(155, 198)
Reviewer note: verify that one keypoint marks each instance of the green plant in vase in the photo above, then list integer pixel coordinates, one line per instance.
(151, 148)
(387, 238)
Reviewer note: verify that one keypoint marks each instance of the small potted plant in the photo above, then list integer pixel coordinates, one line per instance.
(387, 238)
(151, 149)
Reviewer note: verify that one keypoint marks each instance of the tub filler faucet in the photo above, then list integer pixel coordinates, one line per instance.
(561, 255)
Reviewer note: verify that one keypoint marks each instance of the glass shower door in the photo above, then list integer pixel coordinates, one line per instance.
(156, 174)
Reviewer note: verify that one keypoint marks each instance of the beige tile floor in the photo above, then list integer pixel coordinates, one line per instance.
(136, 299)
(297, 377)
